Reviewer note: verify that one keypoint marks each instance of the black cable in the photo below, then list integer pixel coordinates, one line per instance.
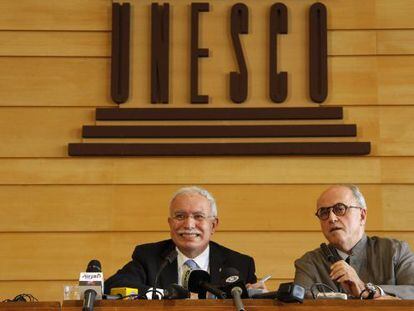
(22, 297)
(323, 286)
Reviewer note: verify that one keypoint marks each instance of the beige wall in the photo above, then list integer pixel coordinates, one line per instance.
(57, 212)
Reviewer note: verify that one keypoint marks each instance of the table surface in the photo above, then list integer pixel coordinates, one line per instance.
(250, 304)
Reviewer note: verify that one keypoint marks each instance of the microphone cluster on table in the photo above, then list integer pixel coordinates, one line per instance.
(194, 281)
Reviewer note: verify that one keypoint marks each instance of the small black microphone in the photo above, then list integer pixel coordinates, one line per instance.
(167, 260)
(94, 266)
(175, 291)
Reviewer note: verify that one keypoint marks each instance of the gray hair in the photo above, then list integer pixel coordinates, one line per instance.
(357, 194)
(197, 190)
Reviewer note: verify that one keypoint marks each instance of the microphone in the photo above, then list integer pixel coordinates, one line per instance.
(91, 284)
(175, 291)
(291, 292)
(330, 253)
(234, 286)
(94, 266)
(167, 260)
(198, 281)
(287, 292)
(259, 294)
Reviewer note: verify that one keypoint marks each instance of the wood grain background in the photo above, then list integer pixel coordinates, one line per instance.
(57, 212)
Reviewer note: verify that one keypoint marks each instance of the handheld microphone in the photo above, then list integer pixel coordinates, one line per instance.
(198, 281)
(175, 291)
(234, 286)
(91, 284)
(167, 260)
(330, 253)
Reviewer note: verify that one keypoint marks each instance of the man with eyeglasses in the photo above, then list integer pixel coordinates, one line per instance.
(192, 220)
(369, 267)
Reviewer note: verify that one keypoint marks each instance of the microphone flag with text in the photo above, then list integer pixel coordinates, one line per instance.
(91, 284)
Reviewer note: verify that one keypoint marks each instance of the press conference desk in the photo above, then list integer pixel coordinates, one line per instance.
(250, 304)
(30, 306)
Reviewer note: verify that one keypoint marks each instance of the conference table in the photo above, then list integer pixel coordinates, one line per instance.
(216, 305)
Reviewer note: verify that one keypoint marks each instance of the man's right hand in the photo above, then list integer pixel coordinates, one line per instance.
(344, 274)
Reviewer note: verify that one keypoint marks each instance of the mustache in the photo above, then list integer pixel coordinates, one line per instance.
(188, 232)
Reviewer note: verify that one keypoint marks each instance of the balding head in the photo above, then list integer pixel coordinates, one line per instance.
(343, 231)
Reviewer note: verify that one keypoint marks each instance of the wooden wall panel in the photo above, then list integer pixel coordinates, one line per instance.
(25, 136)
(393, 42)
(241, 207)
(54, 81)
(55, 43)
(352, 42)
(55, 15)
(206, 170)
(395, 14)
(44, 254)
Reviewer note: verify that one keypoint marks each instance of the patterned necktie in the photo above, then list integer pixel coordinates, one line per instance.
(188, 266)
(191, 264)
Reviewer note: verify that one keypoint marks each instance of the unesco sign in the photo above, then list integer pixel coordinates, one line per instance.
(260, 138)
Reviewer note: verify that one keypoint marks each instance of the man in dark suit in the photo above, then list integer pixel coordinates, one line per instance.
(193, 220)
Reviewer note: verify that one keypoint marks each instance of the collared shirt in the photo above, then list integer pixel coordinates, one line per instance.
(388, 263)
(201, 260)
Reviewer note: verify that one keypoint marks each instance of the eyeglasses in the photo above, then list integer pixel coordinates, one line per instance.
(196, 217)
(339, 209)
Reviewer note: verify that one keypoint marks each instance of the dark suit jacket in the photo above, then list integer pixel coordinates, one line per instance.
(147, 258)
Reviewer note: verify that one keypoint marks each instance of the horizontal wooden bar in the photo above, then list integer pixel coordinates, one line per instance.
(55, 43)
(60, 15)
(206, 170)
(292, 113)
(219, 149)
(140, 131)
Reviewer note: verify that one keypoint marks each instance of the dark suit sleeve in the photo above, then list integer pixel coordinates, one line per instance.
(131, 275)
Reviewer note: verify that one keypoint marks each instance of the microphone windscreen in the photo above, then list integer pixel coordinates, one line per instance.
(94, 266)
(230, 275)
(230, 278)
(194, 279)
(175, 291)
